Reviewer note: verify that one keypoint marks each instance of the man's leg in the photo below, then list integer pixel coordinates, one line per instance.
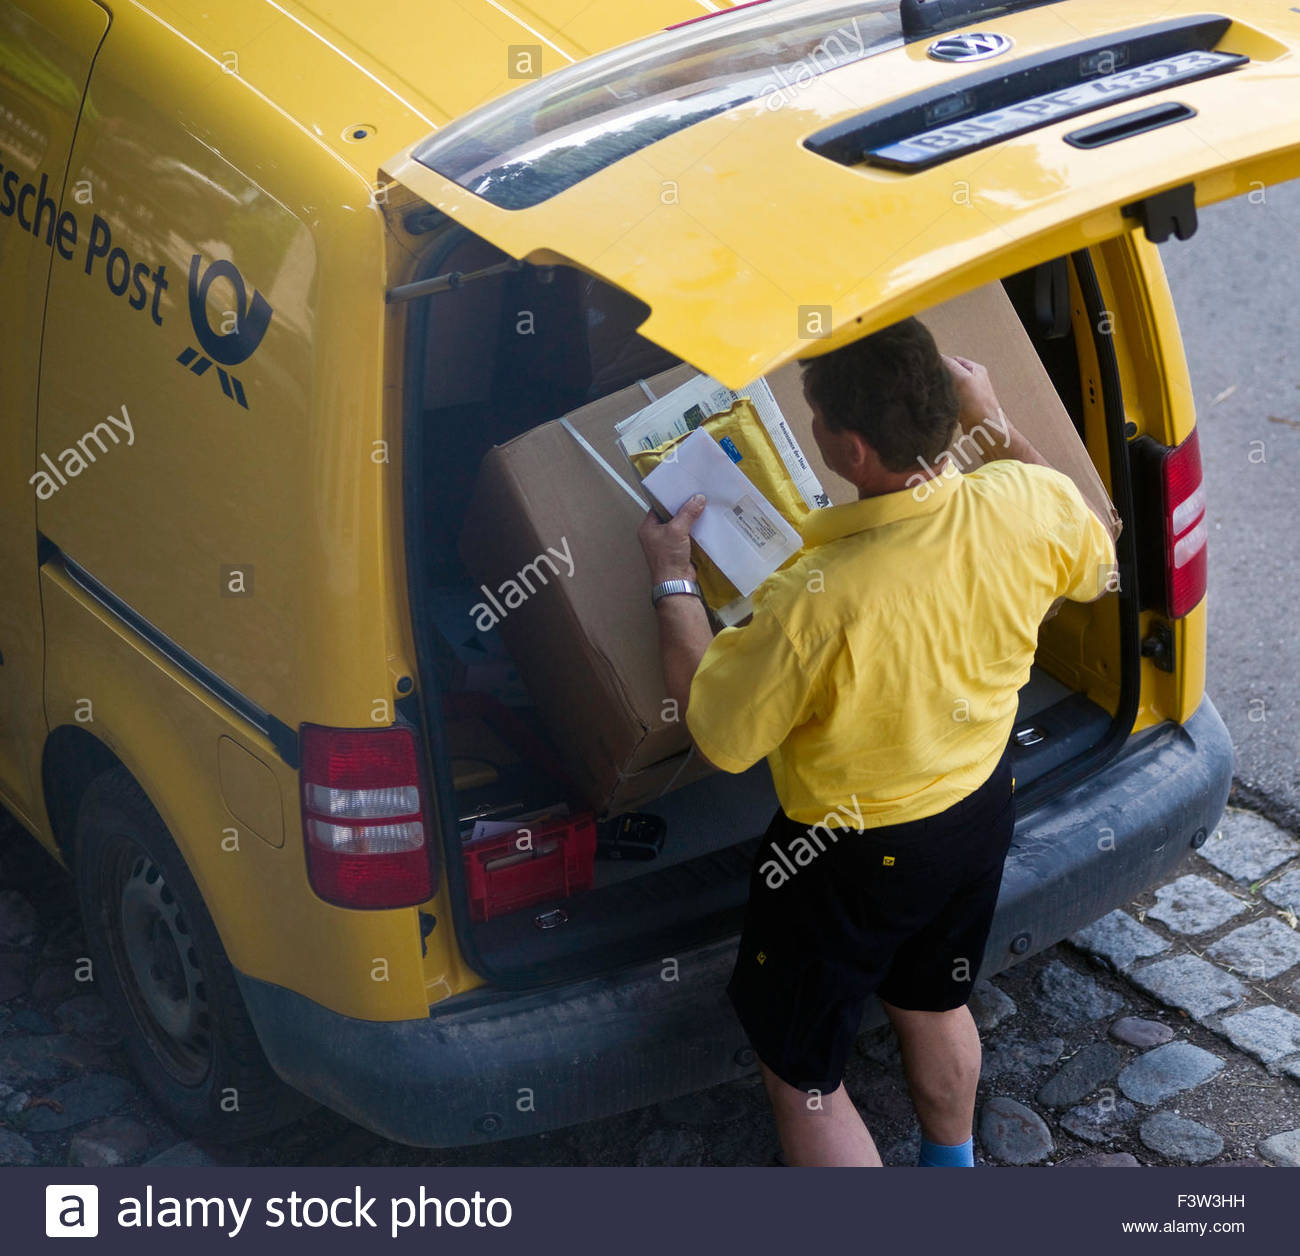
(819, 1130)
(941, 1050)
(941, 1059)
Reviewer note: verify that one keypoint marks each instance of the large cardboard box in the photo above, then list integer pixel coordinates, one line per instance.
(584, 636)
(551, 538)
(982, 326)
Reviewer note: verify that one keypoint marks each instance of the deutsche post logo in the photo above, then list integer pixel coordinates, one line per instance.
(252, 317)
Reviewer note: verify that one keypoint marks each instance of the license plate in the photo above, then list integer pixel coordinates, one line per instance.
(943, 143)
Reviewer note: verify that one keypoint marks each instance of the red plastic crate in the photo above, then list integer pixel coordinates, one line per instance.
(502, 878)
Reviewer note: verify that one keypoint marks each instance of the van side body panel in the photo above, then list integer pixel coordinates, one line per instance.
(166, 730)
(243, 518)
(41, 87)
(210, 383)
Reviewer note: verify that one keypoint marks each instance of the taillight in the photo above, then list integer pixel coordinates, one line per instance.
(363, 817)
(1186, 526)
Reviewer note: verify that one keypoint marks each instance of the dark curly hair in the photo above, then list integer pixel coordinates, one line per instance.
(892, 388)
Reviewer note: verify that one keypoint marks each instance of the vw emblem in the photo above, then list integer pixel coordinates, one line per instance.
(970, 47)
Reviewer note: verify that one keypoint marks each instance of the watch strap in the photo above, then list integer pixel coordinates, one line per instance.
(666, 588)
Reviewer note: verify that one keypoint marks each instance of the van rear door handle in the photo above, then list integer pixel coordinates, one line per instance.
(1130, 124)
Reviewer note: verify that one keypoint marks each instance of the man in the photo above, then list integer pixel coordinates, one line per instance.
(879, 676)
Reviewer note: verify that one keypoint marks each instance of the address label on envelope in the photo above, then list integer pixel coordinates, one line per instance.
(740, 529)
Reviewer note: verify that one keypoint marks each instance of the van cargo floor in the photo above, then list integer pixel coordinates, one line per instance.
(707, 815)
(722, 809)
(697, 887)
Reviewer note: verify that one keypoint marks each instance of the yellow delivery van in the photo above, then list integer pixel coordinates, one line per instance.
(317, 319)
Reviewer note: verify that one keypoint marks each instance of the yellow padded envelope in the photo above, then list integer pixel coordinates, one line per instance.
(737, 429)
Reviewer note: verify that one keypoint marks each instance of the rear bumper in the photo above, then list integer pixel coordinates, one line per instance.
(1111, 836)
(489, 1065)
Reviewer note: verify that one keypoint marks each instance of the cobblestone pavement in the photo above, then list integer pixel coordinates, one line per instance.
(1166, 1033)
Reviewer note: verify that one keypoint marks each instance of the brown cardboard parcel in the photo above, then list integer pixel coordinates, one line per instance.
(587, 643)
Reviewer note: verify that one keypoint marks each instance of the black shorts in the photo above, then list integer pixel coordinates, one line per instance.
(902, 911)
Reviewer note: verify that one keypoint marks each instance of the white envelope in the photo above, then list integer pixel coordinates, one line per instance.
(740, 529)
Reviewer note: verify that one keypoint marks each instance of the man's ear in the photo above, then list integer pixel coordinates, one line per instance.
(858, 453)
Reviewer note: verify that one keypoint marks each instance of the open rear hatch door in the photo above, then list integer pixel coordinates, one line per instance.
(776, 180)
(779, 179)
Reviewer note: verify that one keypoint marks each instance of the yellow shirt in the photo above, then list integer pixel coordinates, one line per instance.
(880, 673)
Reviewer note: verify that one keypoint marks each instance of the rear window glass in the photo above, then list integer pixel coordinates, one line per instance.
(536, 142)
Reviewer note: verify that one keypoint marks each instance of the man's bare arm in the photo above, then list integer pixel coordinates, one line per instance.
(980, 409)
(684, 632)
(1015, 444)
(684, 635)
(978, 405)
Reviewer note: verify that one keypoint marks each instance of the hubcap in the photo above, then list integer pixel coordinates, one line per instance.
(160, 969)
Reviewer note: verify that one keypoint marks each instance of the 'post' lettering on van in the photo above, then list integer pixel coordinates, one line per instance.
(100, 237)
(60, 231)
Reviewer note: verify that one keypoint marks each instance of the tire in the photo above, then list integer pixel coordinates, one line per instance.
(160, 966)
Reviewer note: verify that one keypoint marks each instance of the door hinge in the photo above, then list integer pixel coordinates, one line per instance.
(1158, 646)
(427, 922)
(1172, 212)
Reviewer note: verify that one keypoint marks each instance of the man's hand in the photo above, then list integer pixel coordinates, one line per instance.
(975, 395)
(667, 546)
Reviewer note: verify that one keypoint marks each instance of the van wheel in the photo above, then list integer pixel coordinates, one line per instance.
(160, 965)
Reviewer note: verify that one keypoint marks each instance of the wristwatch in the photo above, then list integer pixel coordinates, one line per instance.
(666, 588)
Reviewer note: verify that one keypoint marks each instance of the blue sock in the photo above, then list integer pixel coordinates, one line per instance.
(947, 1156)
